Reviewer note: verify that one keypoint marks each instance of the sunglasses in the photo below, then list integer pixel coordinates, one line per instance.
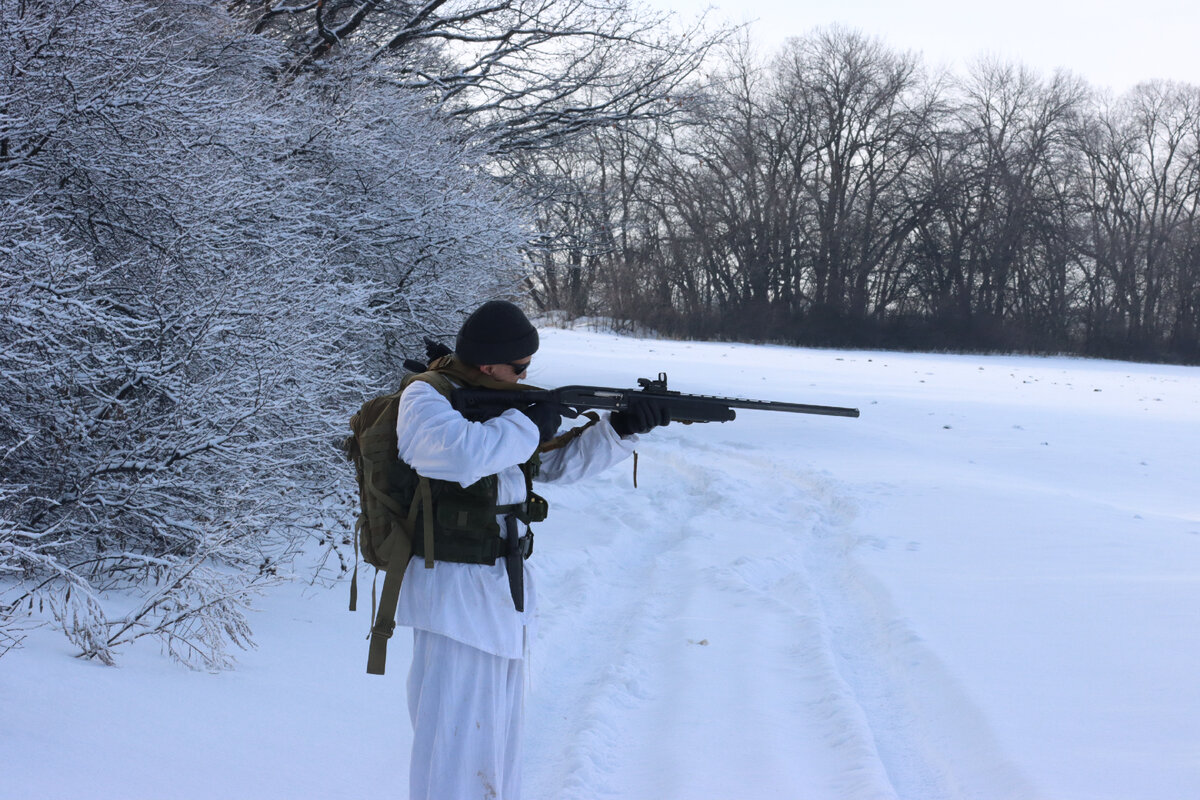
(519, 369)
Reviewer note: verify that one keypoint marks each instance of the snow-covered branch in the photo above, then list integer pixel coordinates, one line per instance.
(519, 73)
(203, 270)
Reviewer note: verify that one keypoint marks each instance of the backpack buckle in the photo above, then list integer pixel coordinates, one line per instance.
(384, 631)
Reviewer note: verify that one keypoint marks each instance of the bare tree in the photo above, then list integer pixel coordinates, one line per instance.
(1143, 157)
(861, 100)
(791, 185)
(521, 73)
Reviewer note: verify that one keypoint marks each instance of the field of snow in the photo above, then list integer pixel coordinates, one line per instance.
(988, 586)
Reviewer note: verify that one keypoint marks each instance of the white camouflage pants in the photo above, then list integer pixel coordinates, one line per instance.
(467, 715)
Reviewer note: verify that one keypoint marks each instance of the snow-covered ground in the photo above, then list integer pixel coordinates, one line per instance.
(988, 586)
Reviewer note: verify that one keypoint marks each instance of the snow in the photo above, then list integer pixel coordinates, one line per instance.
(988, 586)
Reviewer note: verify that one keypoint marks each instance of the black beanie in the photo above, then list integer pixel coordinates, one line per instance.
(496, 333)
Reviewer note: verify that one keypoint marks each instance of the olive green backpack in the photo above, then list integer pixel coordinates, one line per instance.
(393, 497)
(385, 529)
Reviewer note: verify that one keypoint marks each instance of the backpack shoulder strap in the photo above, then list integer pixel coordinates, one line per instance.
(437, 380)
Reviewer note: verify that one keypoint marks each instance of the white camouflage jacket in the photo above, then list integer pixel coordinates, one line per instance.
(471, 603)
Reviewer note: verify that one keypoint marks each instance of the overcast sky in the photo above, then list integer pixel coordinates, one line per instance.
(1110, 45)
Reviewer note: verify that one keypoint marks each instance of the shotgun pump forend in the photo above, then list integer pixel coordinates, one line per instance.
(487, 403)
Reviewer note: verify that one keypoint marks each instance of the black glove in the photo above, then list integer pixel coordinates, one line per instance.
(641, 417)
(547, 417)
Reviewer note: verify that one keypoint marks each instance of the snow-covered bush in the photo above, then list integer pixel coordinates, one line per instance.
(204, 265)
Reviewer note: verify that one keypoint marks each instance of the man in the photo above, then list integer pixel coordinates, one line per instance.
(472, 621)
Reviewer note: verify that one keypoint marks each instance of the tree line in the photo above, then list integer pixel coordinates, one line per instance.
(838, 194)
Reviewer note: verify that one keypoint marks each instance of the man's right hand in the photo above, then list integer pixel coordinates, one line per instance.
(547, 417)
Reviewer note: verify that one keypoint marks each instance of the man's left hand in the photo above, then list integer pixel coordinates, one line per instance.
(642, 416)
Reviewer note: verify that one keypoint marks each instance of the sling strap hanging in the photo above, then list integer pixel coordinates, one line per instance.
(389, 596)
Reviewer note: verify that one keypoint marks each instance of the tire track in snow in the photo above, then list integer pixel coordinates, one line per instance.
(625, 672)
(905, 727)
(775, 575)
(829, 692)
(607, 600)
